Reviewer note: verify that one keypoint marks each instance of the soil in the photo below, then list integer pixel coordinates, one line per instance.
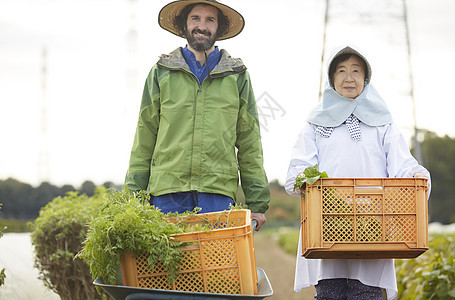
(279, 267)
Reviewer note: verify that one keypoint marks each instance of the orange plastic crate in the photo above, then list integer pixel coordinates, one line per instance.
(365, 218)
(220, 261)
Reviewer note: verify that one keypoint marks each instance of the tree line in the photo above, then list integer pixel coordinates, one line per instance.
(438, 155)
(23, 201)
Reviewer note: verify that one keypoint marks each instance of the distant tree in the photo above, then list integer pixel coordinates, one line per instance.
(66, 188)
(2, 272)
(22, 201)
(88, 188)
(438, 155)
(16, 197)
(110, 184)
(284, 209)
(41, 195)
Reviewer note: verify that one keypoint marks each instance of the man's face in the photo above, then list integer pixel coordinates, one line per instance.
(201, 27)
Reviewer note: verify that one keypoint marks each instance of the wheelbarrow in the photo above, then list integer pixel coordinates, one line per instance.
(121, 292)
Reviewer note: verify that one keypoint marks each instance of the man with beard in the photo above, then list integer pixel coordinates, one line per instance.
(198, 125)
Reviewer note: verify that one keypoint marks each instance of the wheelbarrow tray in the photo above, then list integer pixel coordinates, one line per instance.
(119, 292)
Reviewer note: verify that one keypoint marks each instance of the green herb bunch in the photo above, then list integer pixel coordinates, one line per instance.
(309, 176)
(126, 222)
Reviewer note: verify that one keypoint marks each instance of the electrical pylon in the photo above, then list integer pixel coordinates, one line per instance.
(389, 20)
(43, 168)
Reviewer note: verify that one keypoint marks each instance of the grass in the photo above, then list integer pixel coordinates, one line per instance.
(14, 225)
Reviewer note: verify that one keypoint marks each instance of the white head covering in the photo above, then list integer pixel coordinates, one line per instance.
(334, 109)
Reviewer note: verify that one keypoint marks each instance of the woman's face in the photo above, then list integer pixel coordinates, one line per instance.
(349, 77)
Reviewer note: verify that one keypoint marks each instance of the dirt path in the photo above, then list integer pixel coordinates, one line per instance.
(279, 267)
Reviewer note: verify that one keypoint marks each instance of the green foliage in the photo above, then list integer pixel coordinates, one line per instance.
(126, 222)
(2, 272)
(439, 159)
(57, 235)
(288, 239)
(1, 227)
(309, 176)
(23, 201)
(14, 225)
(431, 275)
(2, 277)
(88, 188)
(284, 210)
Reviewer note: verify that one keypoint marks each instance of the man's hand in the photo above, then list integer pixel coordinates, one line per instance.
(418, 175)
(258, 217)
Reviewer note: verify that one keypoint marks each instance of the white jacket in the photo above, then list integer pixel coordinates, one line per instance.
(381, 153)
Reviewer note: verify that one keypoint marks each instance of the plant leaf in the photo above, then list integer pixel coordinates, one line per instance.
(309, 176)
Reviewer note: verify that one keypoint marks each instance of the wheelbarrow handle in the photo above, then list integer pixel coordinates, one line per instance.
(254, 223)
(144, 296)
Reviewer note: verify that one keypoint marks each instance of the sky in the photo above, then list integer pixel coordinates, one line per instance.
(75, 120)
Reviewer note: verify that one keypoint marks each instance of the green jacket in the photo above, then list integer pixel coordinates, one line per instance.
(187, 133)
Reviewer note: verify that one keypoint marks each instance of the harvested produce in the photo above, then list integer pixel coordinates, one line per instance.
(309, 176)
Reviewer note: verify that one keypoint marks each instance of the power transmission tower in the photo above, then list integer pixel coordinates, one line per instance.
(131, 73)
(387, 20)
(43, 169)
(417, 151)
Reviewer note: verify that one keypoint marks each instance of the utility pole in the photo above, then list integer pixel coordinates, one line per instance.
(417, 151)
(324, 33)
(43, 169)
(132, 65)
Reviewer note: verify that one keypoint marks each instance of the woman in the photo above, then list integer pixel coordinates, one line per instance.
(350, 134)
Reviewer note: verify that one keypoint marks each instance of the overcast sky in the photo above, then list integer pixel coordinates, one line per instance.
(91, 108)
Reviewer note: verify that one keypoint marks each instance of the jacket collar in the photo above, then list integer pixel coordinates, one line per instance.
(175, 60)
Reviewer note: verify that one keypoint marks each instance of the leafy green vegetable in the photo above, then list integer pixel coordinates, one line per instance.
(309, 176)
(431, 275)
(126, 222)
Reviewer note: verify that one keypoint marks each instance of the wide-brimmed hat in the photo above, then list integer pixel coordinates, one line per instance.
(168, 13)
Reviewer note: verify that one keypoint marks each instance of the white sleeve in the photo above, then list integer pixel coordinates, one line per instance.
(400, 162)
(304, 154)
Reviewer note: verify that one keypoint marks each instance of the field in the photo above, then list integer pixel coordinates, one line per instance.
(279, 267)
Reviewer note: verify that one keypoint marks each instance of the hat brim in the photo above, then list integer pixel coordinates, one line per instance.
(168, 13)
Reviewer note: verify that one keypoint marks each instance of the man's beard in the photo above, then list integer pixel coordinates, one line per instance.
(198, 44)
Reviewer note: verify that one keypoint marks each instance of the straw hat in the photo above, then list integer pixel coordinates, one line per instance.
(168, 13)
